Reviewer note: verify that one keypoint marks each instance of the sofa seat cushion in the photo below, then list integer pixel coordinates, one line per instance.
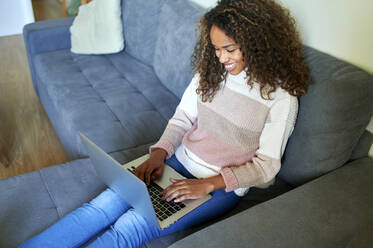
(253, 197)
(363, 238)
(326, 212)
(33, 201)
(115, 100)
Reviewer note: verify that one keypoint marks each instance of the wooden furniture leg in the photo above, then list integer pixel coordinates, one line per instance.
(64, 8)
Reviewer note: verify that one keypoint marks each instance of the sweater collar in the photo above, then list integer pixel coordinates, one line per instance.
(239, 78)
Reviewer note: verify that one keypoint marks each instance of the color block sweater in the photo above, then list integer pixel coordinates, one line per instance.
(238, 134)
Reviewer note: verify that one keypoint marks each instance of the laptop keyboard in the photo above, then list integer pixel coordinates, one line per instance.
(163, 209)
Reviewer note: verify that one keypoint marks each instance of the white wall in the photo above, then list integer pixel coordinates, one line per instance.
(342, 28)
(14, 14)
(205, 3)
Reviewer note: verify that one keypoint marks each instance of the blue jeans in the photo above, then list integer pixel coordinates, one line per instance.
(119, 225)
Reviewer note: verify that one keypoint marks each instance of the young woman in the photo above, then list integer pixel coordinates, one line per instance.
(228, 132)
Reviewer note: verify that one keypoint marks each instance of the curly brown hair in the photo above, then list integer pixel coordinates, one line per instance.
(269, 42)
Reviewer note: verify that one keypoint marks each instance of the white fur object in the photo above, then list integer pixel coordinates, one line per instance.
(98, 28)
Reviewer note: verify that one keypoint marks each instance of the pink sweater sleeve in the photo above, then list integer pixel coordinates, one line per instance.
(229, 178)
(267, 161)
(183, 119)
(164, 144)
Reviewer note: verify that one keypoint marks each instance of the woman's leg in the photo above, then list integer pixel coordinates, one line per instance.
(132, 230)
(179, 167)
(82, 224)
(220, 203)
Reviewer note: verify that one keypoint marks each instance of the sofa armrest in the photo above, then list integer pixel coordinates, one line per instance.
(363, 146)
(326, 212)
(45, 36)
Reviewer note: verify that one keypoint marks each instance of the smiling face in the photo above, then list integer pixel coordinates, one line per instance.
(227, 50)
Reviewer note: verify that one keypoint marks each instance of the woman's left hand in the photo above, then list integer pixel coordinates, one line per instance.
(184, 189)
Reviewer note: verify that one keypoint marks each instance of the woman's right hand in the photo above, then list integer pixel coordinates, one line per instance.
(153, 167)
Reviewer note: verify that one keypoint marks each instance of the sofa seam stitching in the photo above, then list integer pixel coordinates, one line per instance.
(50, 194)
(100, 96)
(147, 99)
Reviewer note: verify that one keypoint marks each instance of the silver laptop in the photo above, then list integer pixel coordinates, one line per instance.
(146, 200)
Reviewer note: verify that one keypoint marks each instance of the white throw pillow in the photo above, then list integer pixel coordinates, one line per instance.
(97, 29)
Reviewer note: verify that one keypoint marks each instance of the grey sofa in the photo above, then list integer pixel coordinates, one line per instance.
(322, 196)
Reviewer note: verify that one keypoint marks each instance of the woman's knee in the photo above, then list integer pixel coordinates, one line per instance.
(109, 203)
(131, 222)
(130, 230)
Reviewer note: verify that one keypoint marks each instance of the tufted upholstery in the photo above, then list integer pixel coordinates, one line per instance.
(41, 197)
(110, 100)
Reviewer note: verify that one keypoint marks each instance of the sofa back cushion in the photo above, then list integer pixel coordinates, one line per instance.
(332, 116)
(140, 25)
(175, 43)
